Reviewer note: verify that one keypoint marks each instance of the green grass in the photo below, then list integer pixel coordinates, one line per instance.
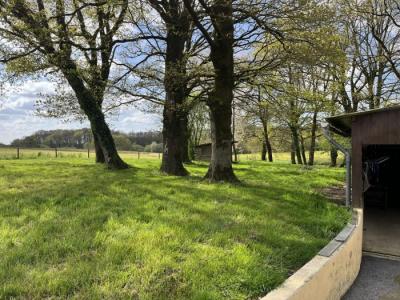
(321, 157)
(30, 153)
(70, 229)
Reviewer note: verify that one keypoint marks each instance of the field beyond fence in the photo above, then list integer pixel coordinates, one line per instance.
(321, 157)
(29, 153)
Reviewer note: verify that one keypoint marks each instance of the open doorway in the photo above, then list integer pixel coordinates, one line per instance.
(381, 192)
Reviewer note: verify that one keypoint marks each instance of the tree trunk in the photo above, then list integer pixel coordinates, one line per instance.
(334, 156)
(303, 150)
(220, 99)
(293, 154)
(175, 116)
(235, 155)
(100, 159)
(371, 95)
(220, 168)
(313, 139)
(266, 142)
(106, 141)
(91, 107)
(172, 159)
(264, 152)
(186, 139)
(296, 143)
(269, 148)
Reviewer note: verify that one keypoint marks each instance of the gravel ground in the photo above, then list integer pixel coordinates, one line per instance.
(379, 279)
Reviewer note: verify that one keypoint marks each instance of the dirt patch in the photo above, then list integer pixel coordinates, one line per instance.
(336, 194)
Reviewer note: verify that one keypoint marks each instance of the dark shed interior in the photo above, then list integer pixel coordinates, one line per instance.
(381, 180)
(375, 174)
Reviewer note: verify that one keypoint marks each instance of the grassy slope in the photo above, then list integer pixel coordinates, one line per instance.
(70, 228)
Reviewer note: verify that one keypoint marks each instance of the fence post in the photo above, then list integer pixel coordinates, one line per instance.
(56, 152)
(88, 152)
(17, 152)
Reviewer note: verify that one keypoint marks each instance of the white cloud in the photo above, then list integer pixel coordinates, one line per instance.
(17, 97)
(17, 117)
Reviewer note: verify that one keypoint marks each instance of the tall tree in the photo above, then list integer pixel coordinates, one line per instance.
(220, 39)
(198, 127)
(76, 39)
(175, 115)
(382, 18)
(251, 99)
(163, 73)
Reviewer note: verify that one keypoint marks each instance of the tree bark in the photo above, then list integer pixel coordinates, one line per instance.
(175, 116)
(186, 140)
(371, 95)
(303, 150)
(91, 107)
(334, 156)
(264, 152)
(296, 144)
(172, 159)
(311, 156)
(293, 153)
(220, 168)
(235, 154)
(106, 141)
(266, 141)
(269, 148)
(99, 152)
(221, 98)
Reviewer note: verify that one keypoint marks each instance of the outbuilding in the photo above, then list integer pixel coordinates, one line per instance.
(203, 152)
(375, 183)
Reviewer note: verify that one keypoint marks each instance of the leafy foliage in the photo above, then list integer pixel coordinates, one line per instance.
(82, 138)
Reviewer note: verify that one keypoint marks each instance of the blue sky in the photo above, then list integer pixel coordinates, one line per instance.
(17, 118)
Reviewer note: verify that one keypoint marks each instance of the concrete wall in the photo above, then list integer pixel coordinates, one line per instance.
(329, 274)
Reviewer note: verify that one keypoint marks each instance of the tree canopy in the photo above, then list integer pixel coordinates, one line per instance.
(214, 69)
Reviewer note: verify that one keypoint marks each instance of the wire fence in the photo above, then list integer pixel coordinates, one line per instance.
(30, 153)
(321, 157)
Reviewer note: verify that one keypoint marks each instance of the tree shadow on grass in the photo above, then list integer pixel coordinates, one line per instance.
(75, 218)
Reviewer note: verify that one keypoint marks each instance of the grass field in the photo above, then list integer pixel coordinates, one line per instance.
(31, 153)
(321, 157)
(70, 229)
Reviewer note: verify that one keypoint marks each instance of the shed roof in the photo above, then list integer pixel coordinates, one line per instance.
(341, 124)
(203, 145)
(210, 144)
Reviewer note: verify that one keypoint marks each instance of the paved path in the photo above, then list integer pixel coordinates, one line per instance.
(379, 279)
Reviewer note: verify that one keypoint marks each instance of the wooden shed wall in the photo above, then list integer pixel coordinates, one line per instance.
(374, 129)
(203, 152)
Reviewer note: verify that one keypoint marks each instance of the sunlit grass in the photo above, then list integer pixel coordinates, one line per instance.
(48, 153)
(69, 228)
(321, 157)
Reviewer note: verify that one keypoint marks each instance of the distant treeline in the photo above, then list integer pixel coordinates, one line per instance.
(148, 141)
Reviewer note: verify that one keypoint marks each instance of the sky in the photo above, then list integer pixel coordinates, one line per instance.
(17, 117)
